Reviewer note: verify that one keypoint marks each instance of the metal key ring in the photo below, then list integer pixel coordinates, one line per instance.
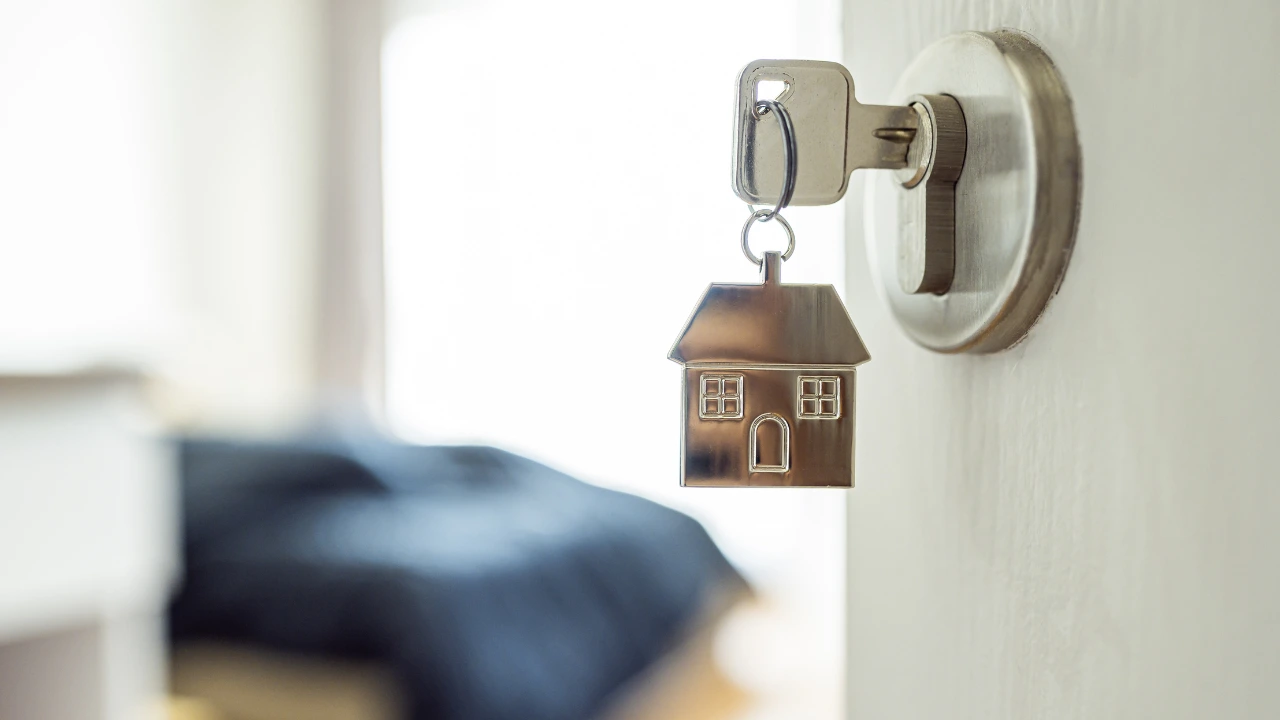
(758, 216)
(762, 108)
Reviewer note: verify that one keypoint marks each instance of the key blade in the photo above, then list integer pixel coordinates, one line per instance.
(879, 136)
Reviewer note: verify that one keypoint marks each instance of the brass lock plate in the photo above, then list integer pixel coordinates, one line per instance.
(1016, 201)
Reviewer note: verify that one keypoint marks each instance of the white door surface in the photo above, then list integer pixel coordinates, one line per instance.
(1088, 525)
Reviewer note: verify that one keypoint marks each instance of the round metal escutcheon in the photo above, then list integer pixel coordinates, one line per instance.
(1017, 199)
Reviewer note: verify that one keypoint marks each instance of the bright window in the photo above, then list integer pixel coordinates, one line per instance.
(557, 199)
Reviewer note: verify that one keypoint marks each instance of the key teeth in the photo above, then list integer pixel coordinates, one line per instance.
(902, 136)
(892, 127)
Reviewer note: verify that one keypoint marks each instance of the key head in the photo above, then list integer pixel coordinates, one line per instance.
(834, 133)
(817, 95)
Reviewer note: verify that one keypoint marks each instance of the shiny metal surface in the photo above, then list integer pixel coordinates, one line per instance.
(769, 387)
(1016, 201)
(927, 207)
(787, 137)
(919, 151)
(761, 216)
(834, 133)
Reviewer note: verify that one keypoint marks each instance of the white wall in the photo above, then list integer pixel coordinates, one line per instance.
(1086, 526)
(162, 196)
(243, 91)
(79, 238)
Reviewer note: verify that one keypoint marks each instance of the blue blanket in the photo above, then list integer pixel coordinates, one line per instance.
(494, 587)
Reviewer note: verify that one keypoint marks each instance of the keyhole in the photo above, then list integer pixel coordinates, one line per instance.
(770, 89)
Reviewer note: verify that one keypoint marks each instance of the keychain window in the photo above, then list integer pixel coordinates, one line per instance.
(820, 397)
(720, 397)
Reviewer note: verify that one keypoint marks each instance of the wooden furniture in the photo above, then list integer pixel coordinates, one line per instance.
(242, 683)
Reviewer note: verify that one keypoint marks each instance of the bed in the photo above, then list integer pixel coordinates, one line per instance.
(481, 585)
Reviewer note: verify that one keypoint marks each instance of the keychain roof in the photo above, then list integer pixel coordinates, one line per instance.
(771, 323)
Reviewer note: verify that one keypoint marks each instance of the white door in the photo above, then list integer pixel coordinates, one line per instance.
(1088, 525)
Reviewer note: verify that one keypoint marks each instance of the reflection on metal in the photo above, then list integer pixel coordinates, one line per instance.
(771, 335)
(784, 445)
(1017, 199)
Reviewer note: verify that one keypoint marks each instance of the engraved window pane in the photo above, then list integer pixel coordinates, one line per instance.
(827, 406)
(829, 387)
(720, 396)
(809, 386)
(809, 407)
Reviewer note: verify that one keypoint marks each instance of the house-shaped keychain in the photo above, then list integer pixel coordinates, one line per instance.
(769, 383)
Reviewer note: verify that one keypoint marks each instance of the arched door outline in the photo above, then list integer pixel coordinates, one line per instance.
(752, 451)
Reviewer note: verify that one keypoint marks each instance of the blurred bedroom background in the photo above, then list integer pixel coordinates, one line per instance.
(260, 261)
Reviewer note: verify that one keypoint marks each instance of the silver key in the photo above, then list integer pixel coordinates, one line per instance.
(834, 133)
